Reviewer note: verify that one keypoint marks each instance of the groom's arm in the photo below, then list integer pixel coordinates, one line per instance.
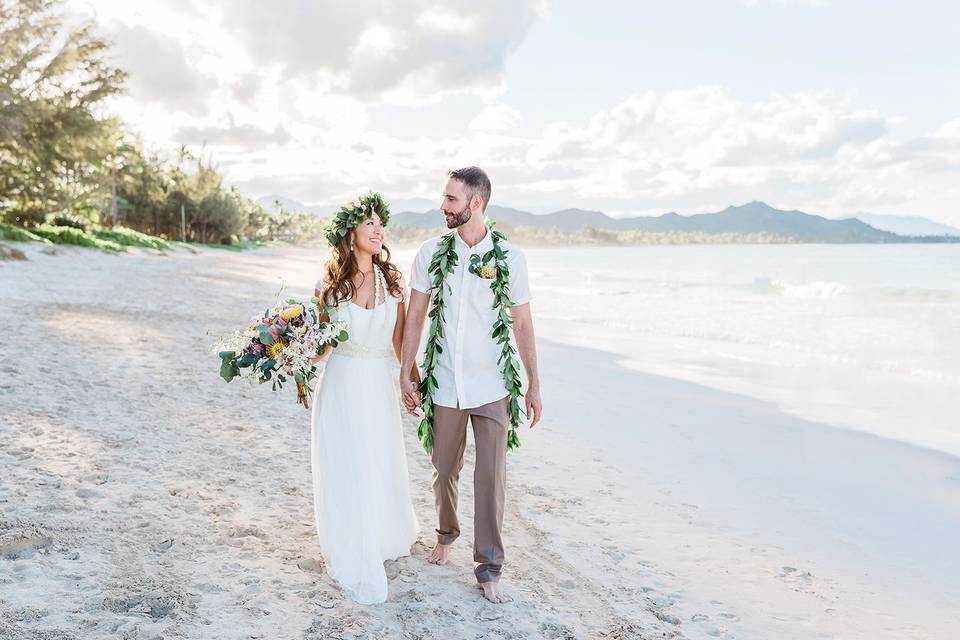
(412, 330)
(527, 347)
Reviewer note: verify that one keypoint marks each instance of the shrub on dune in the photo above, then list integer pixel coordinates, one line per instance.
(76, 237)
(19, 234)
(130, 238)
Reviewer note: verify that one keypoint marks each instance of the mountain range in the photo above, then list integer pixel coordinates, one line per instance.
(753, 217)
(907, 225)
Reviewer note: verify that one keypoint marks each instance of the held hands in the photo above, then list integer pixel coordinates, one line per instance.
(409, 389)
(534, 405)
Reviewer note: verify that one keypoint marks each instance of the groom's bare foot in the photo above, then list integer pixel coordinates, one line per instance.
(493, 592)
(439, 554)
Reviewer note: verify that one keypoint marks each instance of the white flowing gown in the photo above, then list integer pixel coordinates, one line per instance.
(361, 488)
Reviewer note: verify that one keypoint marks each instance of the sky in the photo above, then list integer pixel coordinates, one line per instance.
(628, 107)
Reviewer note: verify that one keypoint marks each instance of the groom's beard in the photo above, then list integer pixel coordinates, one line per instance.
(459, 218)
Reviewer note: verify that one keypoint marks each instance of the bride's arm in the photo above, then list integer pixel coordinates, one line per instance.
(401, 321)
(398, 331)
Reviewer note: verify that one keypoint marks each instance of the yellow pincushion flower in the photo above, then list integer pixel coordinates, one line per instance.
(276, 348)
(290, 313)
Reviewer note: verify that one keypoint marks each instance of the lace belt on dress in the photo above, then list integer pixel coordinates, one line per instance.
(355, 350)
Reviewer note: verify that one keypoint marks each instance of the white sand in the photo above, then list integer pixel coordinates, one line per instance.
(143, 497)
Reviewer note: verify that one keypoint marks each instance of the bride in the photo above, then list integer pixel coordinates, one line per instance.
(360, 486)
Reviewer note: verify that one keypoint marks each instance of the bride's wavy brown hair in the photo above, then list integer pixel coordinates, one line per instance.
(342, 265)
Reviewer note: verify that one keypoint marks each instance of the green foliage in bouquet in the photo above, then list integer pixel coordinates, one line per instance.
(279, 345)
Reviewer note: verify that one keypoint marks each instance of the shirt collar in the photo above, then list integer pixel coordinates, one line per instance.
(481, 247)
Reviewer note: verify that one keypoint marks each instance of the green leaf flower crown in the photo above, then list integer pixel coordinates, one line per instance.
(352, 214)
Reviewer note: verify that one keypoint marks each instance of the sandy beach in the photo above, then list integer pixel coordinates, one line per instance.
(141, 497)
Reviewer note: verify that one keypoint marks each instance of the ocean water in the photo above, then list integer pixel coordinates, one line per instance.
(865, 337)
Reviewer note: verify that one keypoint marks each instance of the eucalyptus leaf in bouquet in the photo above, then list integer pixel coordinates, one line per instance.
(280, 345)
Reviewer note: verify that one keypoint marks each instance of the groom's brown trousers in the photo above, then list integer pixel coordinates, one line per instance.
(490, 423)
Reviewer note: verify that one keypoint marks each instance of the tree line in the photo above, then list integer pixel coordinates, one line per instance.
(65, 160)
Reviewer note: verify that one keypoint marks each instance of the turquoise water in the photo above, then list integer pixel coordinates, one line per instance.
(858, 336)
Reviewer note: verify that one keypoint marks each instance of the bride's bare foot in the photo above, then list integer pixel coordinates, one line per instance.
(493, 592)
(439, 554)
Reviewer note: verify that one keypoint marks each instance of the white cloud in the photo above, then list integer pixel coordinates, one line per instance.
(434, 49)
(689, 150)
(159, 69)
(443, 19)
(243, 137)
(377, 41)
(700, 148)
(496, 117)
(287, 96)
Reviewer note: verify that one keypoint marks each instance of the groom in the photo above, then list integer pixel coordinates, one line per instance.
(469, 379)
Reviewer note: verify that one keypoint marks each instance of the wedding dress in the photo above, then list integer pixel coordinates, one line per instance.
(360, 485)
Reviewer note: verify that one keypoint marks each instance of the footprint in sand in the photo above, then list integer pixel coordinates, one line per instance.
(792, 574)
(489, 614)
(556, 631)
(247, 532)
(31, 614)
(24, 545)
(163, 545)
(392, 569)
(669, 618)
(325, 603)
(412, 596)
(659, 601)
(309, 564)
(614, 553)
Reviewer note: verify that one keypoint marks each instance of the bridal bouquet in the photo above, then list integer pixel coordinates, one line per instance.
(279, 345)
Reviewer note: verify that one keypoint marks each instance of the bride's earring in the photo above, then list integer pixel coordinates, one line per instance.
(351, 245)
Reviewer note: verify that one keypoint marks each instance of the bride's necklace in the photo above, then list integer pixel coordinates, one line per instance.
(441, 265)
(379, 285)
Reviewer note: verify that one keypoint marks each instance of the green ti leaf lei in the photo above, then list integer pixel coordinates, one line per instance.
(441, 265)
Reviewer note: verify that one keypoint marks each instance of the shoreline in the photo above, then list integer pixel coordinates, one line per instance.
(758, 509)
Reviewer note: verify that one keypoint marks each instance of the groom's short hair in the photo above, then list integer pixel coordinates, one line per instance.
(475, 180)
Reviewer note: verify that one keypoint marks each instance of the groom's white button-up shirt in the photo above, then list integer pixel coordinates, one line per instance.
(467, 372)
